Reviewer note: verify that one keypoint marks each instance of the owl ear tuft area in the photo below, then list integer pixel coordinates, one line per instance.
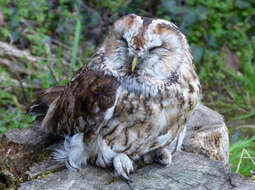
(124, 23)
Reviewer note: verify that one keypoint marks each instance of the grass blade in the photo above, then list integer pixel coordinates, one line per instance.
(75, 44)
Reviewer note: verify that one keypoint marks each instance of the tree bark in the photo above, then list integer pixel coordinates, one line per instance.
(19, 150)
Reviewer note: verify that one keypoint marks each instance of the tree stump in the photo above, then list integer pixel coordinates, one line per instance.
(19, 150)
(207, 134)
(24, 156)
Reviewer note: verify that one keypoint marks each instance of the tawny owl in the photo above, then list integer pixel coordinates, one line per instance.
(130, 102)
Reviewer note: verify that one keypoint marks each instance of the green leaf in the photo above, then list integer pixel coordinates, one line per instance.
(171, 6)
(197, 52)
(241, 4)
(201, 12)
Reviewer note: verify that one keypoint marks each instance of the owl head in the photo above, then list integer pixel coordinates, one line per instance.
(144, 50)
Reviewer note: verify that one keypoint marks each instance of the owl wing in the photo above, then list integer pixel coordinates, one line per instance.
(83, 104)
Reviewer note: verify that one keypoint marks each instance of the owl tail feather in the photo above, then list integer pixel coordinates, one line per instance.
(42, 103)
(46, 104)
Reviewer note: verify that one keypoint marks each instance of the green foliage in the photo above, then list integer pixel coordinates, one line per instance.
(10, 117)
(235, 153)
(14, 119)
(113, 6)
(41, 26)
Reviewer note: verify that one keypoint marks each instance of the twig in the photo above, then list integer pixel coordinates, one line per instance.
(15, 68)
(49, 65)
(57, 42)
(241, 158)
(249, 157)
(22, 87)
(20, 83)
(253, 162)
(240, 161)
(15, 83)
(6, 49)
(246, 126)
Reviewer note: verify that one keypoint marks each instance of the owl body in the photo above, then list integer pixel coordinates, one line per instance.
(130, 102)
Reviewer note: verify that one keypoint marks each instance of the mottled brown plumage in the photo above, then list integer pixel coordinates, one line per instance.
(131, 101)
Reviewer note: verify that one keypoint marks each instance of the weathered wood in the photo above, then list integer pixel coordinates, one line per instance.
(187, 171)
(19, 149)
(207, 134)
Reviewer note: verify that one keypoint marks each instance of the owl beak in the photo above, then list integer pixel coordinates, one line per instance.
(134, 63)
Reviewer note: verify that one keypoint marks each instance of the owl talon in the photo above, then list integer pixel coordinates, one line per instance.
(123, 166)
(163, 156)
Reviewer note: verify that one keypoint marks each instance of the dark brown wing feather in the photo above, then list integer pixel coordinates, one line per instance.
(41, 104)
(82, 104)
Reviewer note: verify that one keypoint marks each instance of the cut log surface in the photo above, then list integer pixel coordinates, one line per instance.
(187, 171)
(24, 155)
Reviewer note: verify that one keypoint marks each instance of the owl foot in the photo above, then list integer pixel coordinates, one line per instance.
(163, 156)
(123, 166)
